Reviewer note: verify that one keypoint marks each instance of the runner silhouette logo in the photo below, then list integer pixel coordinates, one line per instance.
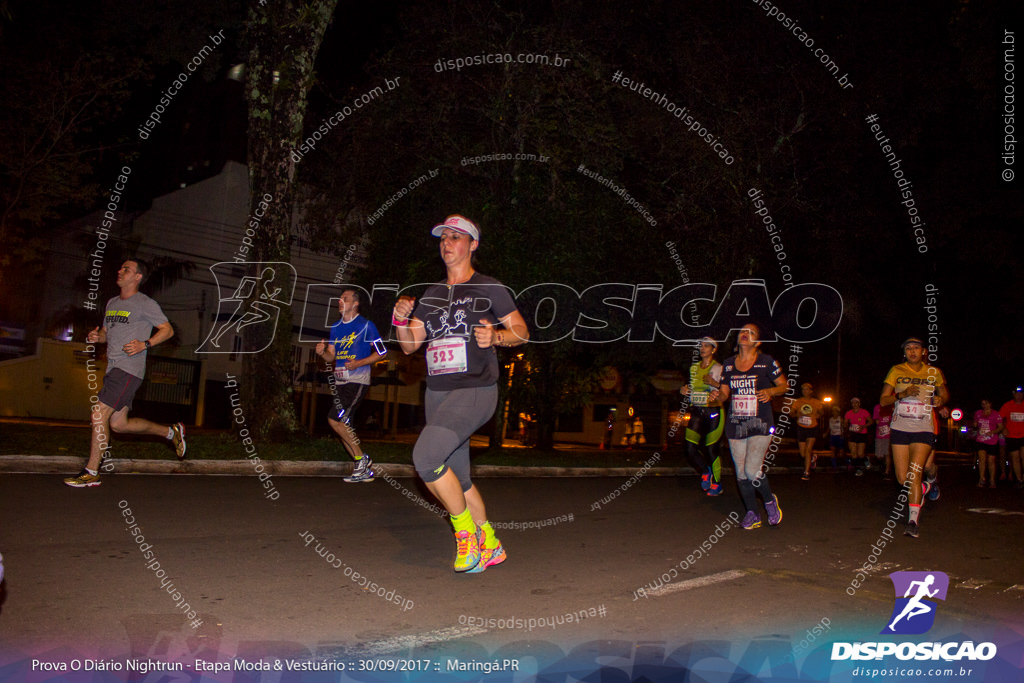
(250, 295)
(915, 608)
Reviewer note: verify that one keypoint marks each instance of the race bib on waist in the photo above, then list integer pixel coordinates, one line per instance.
(445, 356)
(699, 398)
(341, 374)
(883, 431)
(804, 421)
(914, 411)
(744, 406)
(856, 429)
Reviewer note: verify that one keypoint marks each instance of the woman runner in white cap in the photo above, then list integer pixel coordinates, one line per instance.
(461, 320)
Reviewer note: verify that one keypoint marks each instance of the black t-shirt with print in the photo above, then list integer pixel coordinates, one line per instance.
(449, 315)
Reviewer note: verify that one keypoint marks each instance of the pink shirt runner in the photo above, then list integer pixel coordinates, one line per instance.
(987, 427)
(858, 420)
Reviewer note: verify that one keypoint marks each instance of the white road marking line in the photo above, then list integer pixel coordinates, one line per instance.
(700, 582)
(995, 511)
(403, 643)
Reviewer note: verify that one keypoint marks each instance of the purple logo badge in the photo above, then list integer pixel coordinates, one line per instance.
(914, 612)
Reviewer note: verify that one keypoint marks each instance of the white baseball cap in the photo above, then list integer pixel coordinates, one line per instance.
(459, 224)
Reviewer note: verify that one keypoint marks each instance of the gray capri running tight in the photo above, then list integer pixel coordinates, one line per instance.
(452, 417)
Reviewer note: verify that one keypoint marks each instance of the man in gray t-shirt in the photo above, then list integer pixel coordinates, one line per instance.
(128, 332)
(126, 320)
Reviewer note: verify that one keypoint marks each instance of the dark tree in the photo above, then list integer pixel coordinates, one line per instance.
(284, 37)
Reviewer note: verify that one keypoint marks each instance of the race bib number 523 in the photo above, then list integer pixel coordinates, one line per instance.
(445, 356)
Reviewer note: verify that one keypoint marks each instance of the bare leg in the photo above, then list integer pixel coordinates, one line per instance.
(806, 453)
(919, 453)
(909, 462)
(348, 438)
(476, 505)
(104, 419)
(448, 490)
(121, 423)
(100, 438)
(901, 461)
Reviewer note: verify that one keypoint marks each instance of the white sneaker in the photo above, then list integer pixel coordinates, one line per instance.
(361, 472)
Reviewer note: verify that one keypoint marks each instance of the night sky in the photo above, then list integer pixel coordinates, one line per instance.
(934, 76)
(931, 72)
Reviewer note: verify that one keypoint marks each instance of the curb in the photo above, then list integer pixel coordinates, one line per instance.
(68, 465)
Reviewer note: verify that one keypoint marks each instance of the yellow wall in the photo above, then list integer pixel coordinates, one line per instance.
(54, 383)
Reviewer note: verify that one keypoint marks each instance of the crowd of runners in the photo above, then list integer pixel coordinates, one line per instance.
(461, 321)
(996, 435)
(905, 424)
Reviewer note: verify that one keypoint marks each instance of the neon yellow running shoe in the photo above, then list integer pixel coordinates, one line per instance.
(467, 553)
(488, 556)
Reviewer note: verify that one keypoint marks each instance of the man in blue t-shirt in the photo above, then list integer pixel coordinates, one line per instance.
(354, 346)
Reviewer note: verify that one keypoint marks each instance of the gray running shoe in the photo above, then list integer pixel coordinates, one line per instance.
(361, 472)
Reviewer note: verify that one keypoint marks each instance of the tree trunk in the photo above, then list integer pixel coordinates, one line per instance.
(284, 37)
(546, 401)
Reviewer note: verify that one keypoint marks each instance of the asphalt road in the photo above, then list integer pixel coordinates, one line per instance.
(77, 583)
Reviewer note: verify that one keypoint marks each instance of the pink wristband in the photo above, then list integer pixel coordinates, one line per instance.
(398, 323)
